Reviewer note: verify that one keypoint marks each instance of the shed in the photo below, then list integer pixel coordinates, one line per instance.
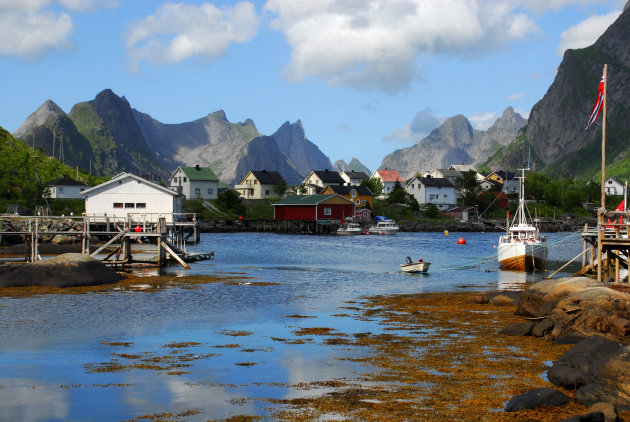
(360, 195)
(313, 208)
(128, 195)
(66, 188)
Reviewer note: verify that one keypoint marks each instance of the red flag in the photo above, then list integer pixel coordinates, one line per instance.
(597, 108)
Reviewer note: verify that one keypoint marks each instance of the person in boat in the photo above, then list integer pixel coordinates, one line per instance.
(408, 260)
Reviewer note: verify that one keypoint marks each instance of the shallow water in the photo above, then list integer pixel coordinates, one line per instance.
(247, 333)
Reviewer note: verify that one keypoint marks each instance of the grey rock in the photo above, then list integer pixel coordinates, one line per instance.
(588, 417)
(543, 327)
(536, 398)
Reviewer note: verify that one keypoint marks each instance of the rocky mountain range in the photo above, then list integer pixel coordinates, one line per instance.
(455, 142)
(106, 136)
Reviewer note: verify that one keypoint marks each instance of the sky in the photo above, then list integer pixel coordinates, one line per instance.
(365, 77)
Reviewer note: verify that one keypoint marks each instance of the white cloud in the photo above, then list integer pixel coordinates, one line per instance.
(482, 120)
(586, 32)
(420, 126)
(179, 31)
(31, 34)
(517, 96)
(29, 30)
(377, 43)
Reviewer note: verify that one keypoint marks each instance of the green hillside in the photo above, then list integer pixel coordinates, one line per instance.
(24, 173)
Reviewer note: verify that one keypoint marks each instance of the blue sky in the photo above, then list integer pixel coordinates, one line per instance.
(365, 77)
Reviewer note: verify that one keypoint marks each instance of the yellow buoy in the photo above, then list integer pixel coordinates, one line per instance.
(445, 232)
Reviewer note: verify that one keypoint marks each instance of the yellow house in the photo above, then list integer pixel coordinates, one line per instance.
(360, 195)
(259, 185)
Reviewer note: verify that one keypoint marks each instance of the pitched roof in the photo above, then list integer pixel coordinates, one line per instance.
(505, 175)
(390, 176)
(356, 175)
(347, 190)
(449, 172)
(268, 177)
(327, 176)
(305, 199)
(199, 173)
(435, 182)
(124, 175)
(65, 181)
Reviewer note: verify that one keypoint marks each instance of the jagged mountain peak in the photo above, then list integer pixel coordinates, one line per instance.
(40, 116)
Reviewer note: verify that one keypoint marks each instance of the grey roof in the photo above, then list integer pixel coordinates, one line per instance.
(268, 177)
(449, 173)
(65, 181)
(356, 175)
(327, 176)
(347, 190)
(436, 182)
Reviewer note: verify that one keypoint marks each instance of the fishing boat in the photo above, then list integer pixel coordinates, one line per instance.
(522, 248)
(414, 267)
(350, 229)
(385, 226)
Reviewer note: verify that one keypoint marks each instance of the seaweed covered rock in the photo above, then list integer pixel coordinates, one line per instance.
(67, 270)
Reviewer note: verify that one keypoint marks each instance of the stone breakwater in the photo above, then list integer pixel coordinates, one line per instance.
(596, 318)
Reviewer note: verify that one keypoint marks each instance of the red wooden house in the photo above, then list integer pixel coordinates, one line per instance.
(313, 208)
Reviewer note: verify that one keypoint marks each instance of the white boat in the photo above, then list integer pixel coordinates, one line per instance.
(415, 267)
(350, 229)
(384, 227)
(522, 248)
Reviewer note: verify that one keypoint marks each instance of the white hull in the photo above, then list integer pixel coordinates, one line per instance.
(522, 256)
(388, 227)
(415, 267)
(350, 230)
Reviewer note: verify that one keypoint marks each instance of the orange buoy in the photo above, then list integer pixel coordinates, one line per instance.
(461, 241)
(138, 229)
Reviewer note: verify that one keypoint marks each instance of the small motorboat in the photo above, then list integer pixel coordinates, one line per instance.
(415, 267)
(350, 229)
(386, 226)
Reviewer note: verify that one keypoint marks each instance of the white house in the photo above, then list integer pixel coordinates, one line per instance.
(613, 187)
(353, 178)
(66, 188)
(318, 180)
(128, 195)
(429, 190)
(195, 182)
(389, 179)
(462, 167)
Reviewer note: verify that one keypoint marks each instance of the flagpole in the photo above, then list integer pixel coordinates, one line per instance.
(604, 141)
(600, 214)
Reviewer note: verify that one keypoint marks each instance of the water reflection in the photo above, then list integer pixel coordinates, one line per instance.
(319, 277)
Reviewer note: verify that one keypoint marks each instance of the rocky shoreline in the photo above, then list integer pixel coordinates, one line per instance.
(593, 316)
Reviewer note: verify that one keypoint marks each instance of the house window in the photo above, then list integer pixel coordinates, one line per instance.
(365, 202)
(129, 204)
(354, 193)
(60, 189)
(445, 195)
(412, 186)
(197, 191)
(327, 211)
(267, 192)
(141, 205)
(255, 182)
(210, 191)
(118, 204)
(358, 202)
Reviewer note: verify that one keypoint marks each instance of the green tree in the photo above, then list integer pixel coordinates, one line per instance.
(468, 187)
(398, 195)
(280, 188)
(230, 201)
(374, 184)
(431, 211)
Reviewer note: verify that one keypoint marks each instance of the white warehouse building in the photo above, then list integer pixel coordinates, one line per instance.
(128, 195)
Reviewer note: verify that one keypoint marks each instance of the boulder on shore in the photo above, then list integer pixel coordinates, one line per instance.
(67, 270)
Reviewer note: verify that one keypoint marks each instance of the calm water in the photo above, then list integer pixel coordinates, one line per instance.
(48, 344)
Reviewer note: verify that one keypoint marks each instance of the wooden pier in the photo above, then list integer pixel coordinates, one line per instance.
(607, 246)
(164, 236)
